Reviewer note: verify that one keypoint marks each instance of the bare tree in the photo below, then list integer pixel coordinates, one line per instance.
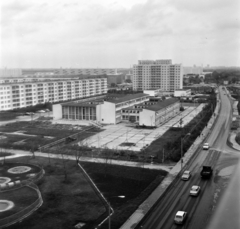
(64, 160)
(78, 153)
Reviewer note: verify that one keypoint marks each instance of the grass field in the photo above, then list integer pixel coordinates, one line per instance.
(6, 116)
(30, 135)
(18, 176)
(21, 198)
(68, 202)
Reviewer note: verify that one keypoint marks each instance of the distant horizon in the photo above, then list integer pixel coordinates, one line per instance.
(113, 67)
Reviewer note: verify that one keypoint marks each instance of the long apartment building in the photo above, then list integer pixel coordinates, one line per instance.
(22, 94)
(154, 74)
(86, 71)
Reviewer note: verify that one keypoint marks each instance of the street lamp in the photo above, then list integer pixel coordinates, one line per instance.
(110, 210)
(182, 139)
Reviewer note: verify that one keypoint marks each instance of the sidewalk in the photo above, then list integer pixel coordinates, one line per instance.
(20, 153)
(232, 140)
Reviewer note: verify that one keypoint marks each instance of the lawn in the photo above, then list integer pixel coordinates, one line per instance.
(21, 198)
(31, 135)
(18, 176)
(68, 202)
(6, 116)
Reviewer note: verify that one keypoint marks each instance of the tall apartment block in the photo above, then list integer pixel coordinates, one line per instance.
(155, 74)
(21, 94)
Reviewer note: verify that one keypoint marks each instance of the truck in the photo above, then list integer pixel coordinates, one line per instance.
(206, 171)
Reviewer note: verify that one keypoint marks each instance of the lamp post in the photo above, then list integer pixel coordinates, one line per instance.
(182, 139)
(110, 210)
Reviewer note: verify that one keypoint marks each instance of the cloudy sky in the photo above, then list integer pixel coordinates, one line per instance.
(117, 33)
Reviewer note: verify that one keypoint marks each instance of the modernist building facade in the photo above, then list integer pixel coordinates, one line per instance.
(137, 108)
(159, 113)
(182, 93)
(102, 109)
(155, 74)
(22, 94)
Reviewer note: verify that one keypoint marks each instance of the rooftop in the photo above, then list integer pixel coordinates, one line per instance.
(180, 213)
(121, 99)
(161, 105)
(182, 89)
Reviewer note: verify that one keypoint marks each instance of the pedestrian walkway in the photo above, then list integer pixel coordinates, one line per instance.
(232, 140)
(116, 136)
(21, 153)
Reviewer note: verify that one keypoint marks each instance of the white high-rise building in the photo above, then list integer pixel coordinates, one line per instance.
(155, 74)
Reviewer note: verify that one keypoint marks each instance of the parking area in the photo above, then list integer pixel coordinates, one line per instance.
(114, 135)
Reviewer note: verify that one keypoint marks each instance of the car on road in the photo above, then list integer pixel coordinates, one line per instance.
(195, 190)
(41, 111)
(29, 113)
(180, 217)
(206, 146)
(186, 175)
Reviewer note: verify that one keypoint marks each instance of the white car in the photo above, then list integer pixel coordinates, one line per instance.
(195, 190)
(41, 111)
(186, 175)
(206, 146)
(180, 217)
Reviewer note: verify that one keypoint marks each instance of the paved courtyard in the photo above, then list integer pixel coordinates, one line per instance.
(114, 135)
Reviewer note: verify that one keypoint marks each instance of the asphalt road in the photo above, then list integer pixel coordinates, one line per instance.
(201, 208)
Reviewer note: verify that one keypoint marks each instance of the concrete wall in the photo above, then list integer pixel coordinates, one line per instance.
(147, 118)
(98, 113)
(57, 111)
(149, 92)
(108, 113)
(179, 93)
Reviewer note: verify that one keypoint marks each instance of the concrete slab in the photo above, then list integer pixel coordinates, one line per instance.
(115, 135)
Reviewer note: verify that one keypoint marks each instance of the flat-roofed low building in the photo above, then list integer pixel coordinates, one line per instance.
(154, 92)
(182, 93)
(105, 109)
(159, 113)
(111, 109)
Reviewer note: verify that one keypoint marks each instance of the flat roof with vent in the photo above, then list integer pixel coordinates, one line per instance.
(125, 98)
(161, 105)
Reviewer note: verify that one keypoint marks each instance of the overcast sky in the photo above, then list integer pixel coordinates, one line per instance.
(118, 33)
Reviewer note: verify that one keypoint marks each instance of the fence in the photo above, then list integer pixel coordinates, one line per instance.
(61, 140)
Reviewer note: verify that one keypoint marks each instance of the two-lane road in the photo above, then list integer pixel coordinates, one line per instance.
(199, 208)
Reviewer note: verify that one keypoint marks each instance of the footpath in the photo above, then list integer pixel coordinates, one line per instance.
(20, 153)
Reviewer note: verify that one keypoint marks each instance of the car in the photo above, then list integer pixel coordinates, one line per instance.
(206, 146)
(180, 217)
(186, 175)
(29, 113)
(195, 190)
(70, 139)
(41, 111)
